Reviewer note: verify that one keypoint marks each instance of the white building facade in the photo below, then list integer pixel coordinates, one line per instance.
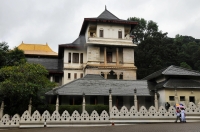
(104, 47)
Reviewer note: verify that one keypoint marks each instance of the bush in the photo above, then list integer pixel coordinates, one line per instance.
(71, 108)
(99, 108)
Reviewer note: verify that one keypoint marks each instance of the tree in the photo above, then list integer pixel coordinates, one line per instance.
(3, 53)
(20, 82)
(149, 52)
(10, 57)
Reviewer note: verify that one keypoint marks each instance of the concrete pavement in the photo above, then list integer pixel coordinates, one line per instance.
(159, 127)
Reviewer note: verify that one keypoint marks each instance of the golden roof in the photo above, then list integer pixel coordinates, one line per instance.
(36, 49)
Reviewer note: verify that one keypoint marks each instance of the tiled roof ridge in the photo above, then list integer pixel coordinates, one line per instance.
(155, 73)
(46, 46)
(179, 68)
(108, 12)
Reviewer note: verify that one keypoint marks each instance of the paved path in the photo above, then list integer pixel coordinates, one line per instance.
(160, 127)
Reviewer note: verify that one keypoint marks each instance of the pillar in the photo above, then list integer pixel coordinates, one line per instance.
(105, 58)
(2, 108)
(110, 100)
(117, 56)
(135, 99)
(71, 57)
(176, 97)
(30, 106)
(83, 106)
(51, 78)
(57, 103)
(156, 101)
(79, 60)
(105, 75)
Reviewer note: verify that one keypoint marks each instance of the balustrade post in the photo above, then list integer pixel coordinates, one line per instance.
(176, 97)
(135, 99)
(57, 103)
(156, 101)
(83, 106)
(30, 106)
(2, 108)
(110, 100)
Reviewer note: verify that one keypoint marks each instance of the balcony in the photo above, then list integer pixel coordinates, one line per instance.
(110, 41)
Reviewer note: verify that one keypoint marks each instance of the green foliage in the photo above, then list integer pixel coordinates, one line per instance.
(19, 83)
(70, 108)
(99, 108)
(185, 65)
(3, 53)
(156, 51)
(10, 57)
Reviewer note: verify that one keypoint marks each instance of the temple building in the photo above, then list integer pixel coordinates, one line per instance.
(44, 55)
(104, 47)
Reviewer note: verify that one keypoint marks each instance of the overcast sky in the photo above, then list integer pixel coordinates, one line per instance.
(59, 21)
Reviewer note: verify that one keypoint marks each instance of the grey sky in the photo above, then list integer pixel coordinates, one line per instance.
(59, 21)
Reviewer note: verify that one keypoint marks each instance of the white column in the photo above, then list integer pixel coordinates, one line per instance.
(71, 57)
(83, 106)
(51, 78)
(110, 100)
(30, 106)
(176, 97)
(79, 60)
(117, 56)
(105, 58)
(2, 108)
(57, 103)
(135, 99)
(156, 101)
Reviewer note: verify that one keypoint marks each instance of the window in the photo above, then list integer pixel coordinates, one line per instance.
(120, 34)
(192, 99)
(171, 98)
(69, 58)
(75, 57)
(182, 98)
(57, 79)
(75, 75)
(69, 75)
(81, 75)
(81, 59)
(101, 33)
(109, 57)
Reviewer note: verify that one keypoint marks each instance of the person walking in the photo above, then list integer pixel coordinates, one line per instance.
(183, 120)
(178, 111)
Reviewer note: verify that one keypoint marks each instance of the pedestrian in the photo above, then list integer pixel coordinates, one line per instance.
(167, 105)
(183, 120)
(178, 111)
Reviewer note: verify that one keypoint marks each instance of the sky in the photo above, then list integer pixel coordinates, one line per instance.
(59, 21)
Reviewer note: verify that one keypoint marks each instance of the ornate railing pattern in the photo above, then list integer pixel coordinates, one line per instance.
(116, 116)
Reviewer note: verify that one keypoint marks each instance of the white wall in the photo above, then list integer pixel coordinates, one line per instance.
(110, 30)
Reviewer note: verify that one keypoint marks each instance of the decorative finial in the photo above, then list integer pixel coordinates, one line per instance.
(135, 90)
(110, 91)
(105, 7)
